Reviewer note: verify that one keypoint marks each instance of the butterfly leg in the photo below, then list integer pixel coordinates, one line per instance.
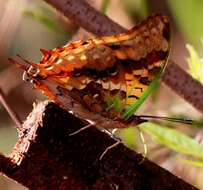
(144, 145)
(118, 141)
(82, 129)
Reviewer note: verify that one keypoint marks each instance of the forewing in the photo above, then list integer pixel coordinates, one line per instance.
(107, 75)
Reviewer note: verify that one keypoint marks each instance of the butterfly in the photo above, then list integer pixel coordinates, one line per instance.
(104, 79)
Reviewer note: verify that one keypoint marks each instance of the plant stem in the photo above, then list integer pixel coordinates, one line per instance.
(12, 114)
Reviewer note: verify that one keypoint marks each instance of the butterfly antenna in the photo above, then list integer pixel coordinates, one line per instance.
(23, 64)
(18, 64)
(144, 145)
(171, 119)
(26, 62)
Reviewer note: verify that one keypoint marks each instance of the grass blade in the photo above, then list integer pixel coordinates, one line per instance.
(131, 109)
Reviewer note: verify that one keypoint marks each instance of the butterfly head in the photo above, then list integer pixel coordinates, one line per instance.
(31, 72)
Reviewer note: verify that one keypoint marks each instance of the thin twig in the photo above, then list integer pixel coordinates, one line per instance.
(184, 85)
(87, 17)
(92, 20)
(12, 114)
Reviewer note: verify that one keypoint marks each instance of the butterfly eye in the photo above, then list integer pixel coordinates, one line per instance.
(27, 77)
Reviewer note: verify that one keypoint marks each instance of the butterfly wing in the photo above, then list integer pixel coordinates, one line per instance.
(107, 75)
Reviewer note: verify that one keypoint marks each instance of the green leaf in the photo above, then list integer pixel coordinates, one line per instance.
(193, 162)
(173, 139)
(131, 109)
(195, 64)
(48, 22)
(188, 16)
(129, 135)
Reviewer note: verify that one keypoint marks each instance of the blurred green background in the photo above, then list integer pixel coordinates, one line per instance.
(28, 25)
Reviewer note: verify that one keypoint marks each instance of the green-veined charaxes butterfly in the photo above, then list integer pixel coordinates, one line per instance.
(100, 79)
